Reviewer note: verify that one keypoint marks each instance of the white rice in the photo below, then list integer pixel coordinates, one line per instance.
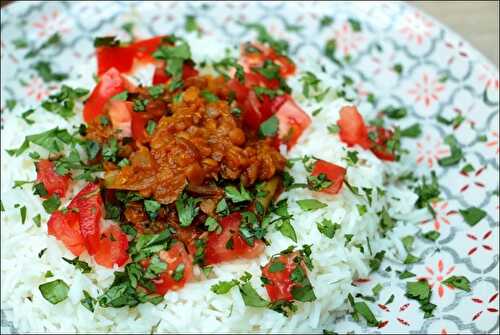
(196, 308)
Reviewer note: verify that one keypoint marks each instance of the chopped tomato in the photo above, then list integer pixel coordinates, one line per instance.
(179, 263)
(334, 173)
(379, 146)
(160, 77)
(256, 111)
(280, 282)
(123, 58)
(292, 121)
(112, 248)
(110, 84)
(139, 123)
(260, 54)
(352, 127)
(66, 228)
(88, 204)
(120, 114)
(53, 183)
(229, 244)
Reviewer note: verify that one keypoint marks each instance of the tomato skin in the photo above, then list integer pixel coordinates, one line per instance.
(173, 257)
(160, 77)
(379, 147)
(110, 84)
(53, 183)
(281, 285)
(112, 250)
(256, 59)
(333, 172)
(216, 251)
(352, 127)
(66, 228)
(292, 121)
(89, 205)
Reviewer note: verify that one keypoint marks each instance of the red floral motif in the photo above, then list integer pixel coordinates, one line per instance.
(347, 39)
(473, 179)
(429, 150)
(416, 27)
(383, 64)
(486, 306)
(398, 317)
(488, 77)
(428, 90)
(457, 50)
(481, 242)
(51, 23)
(37, 89)
(436, 276)
(442, 214)
(493, 144)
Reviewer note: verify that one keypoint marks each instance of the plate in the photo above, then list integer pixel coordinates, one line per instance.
(394, 53)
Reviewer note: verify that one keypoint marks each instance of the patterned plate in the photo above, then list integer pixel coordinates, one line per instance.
(394, 53)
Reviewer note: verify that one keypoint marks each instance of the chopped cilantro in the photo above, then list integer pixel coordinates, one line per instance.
(54, 291)
(327, 228)
(213, 225)
(276, 266)
(26, 114)
(351, 158)
(319, 182)
(456, 152)
(421, 292)
(411, 259)
(427, 192)
(152, 208)
(325, 21)
(395, 112)
(54, 39)
(179, 272)
(376, 261)
(472, 215)
(412, 131)
(460, 282)
(140, 105)
(398, 68)
(110, 150)
(63, 103)
(122, 96)
(106, 41)
(37, 219)
(209, 96)
(310, 204)
(150, 127)
(22, 211)
(333, 129)
(237, 196)
(88, 301)
(190, 25)
(432, 235)
(224, 287)
(51, 204)
(251, 297)
(156, 91)
(78, 264)
(355, 24)
(44, 70)
(175, 56)
(187, 209)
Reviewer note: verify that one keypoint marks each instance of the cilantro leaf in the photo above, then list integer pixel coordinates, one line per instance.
(224, 287)
(456, 153)
(460, 282)
(251, 297)
(328, 228)
(88, 301)
(472, 215)
(63, 103)
(187, 209)
(84, 267)
(237, 196)
(54, 291)
(44, 70)
(152, 208)
(269, 128)
(310, 204)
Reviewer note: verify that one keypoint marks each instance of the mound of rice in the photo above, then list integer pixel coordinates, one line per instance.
(196, 308)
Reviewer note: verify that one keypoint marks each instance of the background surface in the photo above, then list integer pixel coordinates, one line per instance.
(476, 21)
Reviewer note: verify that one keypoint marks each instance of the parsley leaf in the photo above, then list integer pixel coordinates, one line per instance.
(175, 56)
(152, 208)
(54, 39)
(51, 140)
(421, 292)
(224, 287)
(251, 297)
(395, 112)
(376, 261)
(319, 182)
(51, 204)
(156, 91)
(412, 131)
(432, 235)
(106, 41)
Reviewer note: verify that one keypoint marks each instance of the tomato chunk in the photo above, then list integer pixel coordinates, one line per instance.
(53, 183)
(229, 244)
(88, 204)
(280, 283)
(180, 264)
(123, 58)
(352, 128)
(379, 146)
(292, 121)
(66, 228)
(333, 172)
(112, 247)
(120, 114)
(110, 84)
(254, 55)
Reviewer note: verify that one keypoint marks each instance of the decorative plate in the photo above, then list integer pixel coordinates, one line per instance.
(396, 54)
